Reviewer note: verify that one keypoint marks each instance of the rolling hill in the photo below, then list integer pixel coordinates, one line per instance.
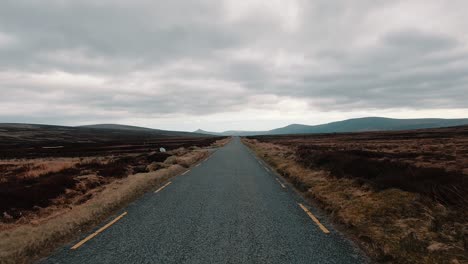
(126, 128)
(352, 125)
(12, 133)
(231, 133)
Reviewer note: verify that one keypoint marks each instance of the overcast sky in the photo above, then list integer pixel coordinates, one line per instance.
(221, 65)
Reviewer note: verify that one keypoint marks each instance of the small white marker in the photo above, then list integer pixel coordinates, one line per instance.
(282, 185)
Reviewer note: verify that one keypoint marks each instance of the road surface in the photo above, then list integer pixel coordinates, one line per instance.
(229, 209)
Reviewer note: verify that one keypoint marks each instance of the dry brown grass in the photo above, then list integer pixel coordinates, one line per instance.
(25, 242)
(391, 225)
(222, 142)
(178, 151)
(30, 168)
(44, 167)
(188, 159)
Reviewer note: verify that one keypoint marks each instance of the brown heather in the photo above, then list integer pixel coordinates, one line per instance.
(392, 225)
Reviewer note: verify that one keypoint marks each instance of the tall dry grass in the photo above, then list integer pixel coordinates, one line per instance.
(30, 168)
(222, 142)
(43, 167)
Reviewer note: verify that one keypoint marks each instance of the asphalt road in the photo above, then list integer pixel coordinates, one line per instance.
(229, 209)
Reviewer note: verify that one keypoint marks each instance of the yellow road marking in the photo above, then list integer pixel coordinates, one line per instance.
(162, 187)
(185, 172)
(79, 244)
(282, 185)
(323, 228)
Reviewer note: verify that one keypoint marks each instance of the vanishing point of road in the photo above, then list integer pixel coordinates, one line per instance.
(228, 209)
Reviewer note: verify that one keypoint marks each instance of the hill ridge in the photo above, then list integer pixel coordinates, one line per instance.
(361, 124)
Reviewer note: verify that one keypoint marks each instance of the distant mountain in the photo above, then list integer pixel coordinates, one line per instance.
(12, 133)
(118, 127)
(200, 131)
(231, 133)
(354, 125)
(123, 128)
(369, 124)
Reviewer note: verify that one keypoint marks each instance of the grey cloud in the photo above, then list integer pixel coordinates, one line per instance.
(416, 40)
(137, 34)
(398, 73)
(154, 58)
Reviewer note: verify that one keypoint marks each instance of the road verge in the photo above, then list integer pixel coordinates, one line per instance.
(391, 226)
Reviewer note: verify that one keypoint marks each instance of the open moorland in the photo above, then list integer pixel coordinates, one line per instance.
(41, 163)
(55, 180)
(37, 141)
(404, 194)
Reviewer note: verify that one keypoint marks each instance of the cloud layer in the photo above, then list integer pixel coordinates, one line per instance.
(230, 64)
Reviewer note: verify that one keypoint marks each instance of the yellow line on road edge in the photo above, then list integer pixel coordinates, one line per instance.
(79, 244)
(162, 187)
(282, 185)
(323, 228)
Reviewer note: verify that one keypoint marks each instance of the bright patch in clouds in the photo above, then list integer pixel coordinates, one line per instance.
(222, 65)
